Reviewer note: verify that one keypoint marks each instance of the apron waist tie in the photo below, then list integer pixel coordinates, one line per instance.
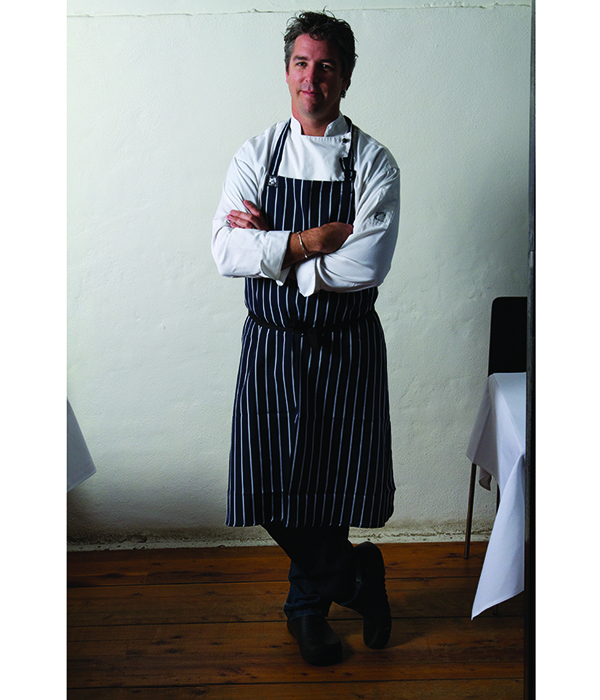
(311, 332)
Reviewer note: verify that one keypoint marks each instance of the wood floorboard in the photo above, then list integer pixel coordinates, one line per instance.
(239, 564)
(248, 601)
(215, 653)
(156, 625)
(455, 689)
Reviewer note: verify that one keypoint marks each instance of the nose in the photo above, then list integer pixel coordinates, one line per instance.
(312, 73)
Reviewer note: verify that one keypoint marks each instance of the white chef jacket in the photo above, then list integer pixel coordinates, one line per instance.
(365, 257)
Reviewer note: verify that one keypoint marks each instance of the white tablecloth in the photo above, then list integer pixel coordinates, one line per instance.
(80, 465)
(497, 446)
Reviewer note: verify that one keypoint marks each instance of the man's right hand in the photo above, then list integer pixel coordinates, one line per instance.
(327, 238)
(317, 241)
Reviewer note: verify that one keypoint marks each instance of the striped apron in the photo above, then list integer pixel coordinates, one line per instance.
(311, 439)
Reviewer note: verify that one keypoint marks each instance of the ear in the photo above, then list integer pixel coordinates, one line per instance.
(347, 81)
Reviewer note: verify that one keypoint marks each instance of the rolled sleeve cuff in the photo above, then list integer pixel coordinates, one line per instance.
(274, 250)
(306, 277)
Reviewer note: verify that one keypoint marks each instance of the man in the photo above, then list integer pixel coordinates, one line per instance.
(309, 216)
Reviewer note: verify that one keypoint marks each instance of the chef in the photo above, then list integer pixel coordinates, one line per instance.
(309, 217)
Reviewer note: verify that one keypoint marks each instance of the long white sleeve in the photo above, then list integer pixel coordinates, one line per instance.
(366, 257)
(242, 252)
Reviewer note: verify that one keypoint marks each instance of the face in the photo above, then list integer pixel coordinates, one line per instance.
(315, 80)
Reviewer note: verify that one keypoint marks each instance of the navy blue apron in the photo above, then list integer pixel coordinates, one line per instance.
(311, 439)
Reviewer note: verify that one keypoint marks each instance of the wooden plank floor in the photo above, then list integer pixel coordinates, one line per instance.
(190, 623)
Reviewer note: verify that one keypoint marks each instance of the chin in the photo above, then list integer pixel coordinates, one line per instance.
(313, 106)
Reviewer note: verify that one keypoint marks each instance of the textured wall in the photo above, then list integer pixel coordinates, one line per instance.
(160, 97)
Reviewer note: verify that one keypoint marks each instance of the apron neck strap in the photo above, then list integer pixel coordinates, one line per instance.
(347, 163)
(278, 153)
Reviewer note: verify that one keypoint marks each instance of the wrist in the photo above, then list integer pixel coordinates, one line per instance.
(309, 242)
(302, 246)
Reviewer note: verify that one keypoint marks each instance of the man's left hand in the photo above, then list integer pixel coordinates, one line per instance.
(253, 218)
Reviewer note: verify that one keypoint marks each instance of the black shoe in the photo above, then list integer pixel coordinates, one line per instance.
(319, 644)
(372, 601)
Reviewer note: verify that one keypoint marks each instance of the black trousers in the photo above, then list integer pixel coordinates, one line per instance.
(322, 568)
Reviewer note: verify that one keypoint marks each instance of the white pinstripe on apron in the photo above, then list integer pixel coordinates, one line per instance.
(311, 439)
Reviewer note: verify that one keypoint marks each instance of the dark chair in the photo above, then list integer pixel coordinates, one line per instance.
(507, 353)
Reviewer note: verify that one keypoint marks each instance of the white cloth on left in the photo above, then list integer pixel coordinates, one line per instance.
(80, 465)
(497, 446)
(363, 260)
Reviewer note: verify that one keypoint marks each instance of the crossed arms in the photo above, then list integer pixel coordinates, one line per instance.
(341, 257)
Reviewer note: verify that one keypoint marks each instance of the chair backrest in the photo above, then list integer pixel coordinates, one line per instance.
(508, 335)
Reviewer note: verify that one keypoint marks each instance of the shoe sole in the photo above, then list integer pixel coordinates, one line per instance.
(374, 568)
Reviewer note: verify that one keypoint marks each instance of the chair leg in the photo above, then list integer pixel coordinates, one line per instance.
(470, 510)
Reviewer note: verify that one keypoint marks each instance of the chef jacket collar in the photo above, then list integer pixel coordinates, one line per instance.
(338, 127)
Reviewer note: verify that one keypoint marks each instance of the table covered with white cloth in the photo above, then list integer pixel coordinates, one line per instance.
(80, 465)
(497, 447)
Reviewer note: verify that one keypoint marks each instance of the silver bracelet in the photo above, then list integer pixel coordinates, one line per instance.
(302, 245)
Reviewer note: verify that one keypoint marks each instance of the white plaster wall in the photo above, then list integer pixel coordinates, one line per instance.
(161, 94)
